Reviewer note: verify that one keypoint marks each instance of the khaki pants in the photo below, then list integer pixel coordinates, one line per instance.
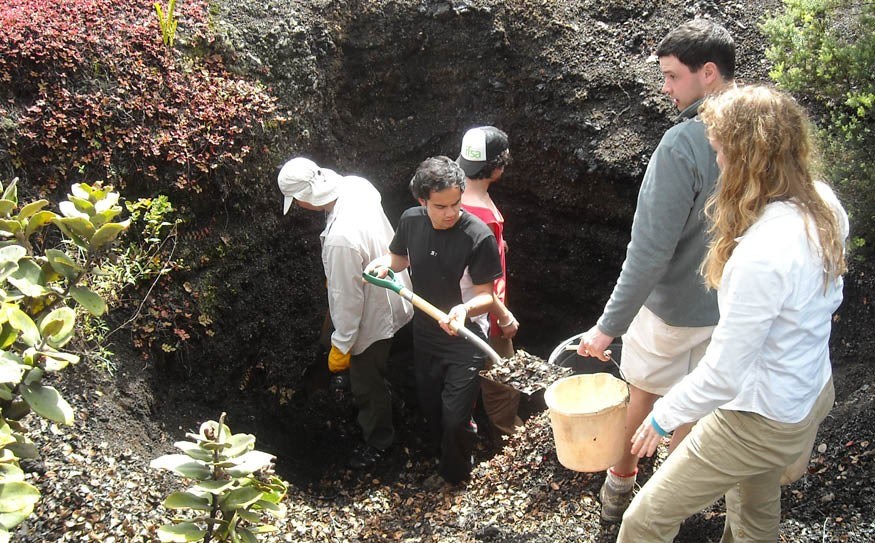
(739, 454)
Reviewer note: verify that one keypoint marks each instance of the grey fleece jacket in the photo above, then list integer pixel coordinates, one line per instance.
(669, 238)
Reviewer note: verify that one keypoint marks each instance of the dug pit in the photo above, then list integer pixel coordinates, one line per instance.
(372, 88)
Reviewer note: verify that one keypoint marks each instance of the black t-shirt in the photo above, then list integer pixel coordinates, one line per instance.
(438, 259)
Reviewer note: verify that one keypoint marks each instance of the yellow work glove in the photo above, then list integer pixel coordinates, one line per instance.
(338, 361)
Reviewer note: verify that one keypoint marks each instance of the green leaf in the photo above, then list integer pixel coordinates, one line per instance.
(6, 207)
(239, 444)
(57, 360)
(78, 229)
(11, 473)
(31, 208)
(38, 221)
(47, 402)
(215, 487)
(63, 264)
(82, 205)
(249, 463)
(262, 529)
(12, 253)
(250, 516)
(187, 500)
(107, 202)
(6, 269)
(23, 448)
(104, 217)
(107, 233)
(58, 326)
(239, 498)
(16, 410)
(194, 450)
(89, 300)
(11, 371)
(8, 335)
(35, 374)
(11, 192)
(70, 210)
(10, 521)
(27, 278)
(22, 322)
(245, 536)
(182, 465)
(17, 496)
(9, 227)
(81, 190)
(181, 533)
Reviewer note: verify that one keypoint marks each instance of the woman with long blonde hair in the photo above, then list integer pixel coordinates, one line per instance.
(765, 383)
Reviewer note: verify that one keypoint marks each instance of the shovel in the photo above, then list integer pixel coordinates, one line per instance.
(391, 283)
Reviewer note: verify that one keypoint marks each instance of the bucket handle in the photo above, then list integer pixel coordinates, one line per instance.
(611, 358)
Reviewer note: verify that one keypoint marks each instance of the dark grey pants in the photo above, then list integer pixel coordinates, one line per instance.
(367, 372)
(447, 390)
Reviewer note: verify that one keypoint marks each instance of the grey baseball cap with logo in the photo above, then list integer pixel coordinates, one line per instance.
(479, 146)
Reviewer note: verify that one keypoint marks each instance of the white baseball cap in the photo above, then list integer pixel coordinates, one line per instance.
(301, 179)
(479, 146)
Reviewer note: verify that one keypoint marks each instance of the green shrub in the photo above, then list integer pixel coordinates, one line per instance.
(89, 91)
(42, 285)
(824, 50)
(233, 487)
(130, 277)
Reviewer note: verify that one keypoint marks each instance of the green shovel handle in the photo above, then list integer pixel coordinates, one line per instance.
(389, 282)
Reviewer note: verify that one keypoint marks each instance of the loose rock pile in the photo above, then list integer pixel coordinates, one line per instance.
(525, 372)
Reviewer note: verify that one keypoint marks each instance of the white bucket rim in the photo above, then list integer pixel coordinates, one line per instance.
(549, 393)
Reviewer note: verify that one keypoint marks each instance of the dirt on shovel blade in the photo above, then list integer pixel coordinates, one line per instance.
(525, 372)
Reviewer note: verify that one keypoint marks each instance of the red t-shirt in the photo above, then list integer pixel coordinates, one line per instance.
(495, 222)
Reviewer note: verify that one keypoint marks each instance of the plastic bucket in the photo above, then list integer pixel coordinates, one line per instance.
(588, 418)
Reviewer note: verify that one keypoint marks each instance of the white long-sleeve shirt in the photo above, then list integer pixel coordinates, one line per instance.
(356, 232)
(770, 350)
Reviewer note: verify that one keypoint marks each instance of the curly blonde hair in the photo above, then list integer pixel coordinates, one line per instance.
(767, 156)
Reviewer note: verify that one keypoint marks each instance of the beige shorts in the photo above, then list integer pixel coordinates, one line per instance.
(656, 356)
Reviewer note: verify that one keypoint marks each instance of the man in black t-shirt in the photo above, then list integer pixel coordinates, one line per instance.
(441, 243)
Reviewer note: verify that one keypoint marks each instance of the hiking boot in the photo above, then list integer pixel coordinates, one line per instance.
(614, 503)
(365, 456)
(338, 383)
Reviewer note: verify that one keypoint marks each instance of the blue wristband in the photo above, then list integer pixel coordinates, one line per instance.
(657, 427)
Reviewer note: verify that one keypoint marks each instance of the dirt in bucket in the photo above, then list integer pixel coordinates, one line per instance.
(525, 372)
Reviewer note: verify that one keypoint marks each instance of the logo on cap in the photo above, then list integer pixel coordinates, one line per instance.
(474, 145)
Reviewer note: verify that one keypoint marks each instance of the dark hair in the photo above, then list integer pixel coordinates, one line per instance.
(500, 161)
(699, 41)
(436, 174)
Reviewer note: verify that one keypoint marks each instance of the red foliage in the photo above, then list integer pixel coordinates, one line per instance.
(93, 93)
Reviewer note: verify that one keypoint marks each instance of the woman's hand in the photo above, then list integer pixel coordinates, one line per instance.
(593, 343)
(646, 438)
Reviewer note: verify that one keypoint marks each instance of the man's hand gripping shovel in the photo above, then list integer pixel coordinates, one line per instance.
(391, 283)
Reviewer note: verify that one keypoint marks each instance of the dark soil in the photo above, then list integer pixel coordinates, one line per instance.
(373, 87)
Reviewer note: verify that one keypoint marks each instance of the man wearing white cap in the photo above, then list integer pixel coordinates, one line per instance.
(483, 157)
(364, 319)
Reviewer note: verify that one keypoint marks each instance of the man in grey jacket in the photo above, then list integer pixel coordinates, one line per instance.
(660, 304)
